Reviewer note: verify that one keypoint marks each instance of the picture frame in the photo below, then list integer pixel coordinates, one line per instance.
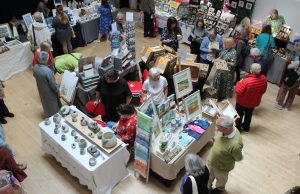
(28, 20)
(183, 83)
(171, 98)
(148, 107)
(241, 4)
(5, 31)
(233, 4)
(192, 106)
(249, 6)
(252, 1)
(57, 2)
(13, 43)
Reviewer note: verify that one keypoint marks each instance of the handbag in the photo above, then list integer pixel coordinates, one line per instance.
(34, 47)
(268, 54)
(291, 76)
(194, 185)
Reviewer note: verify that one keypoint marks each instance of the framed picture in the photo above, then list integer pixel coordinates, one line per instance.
(5, 31)
(148, 108)
(28, 20)
(233, 4)
(13, 43)
(252, 1)
(183, 83)
(171, 98)
(241, 4)
(249, 6)
(166, 8)
(192, 106)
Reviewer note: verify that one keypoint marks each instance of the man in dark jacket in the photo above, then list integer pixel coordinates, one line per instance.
(148, 9)
(249, 92)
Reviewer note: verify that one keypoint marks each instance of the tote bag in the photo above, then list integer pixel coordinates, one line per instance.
(268, 54)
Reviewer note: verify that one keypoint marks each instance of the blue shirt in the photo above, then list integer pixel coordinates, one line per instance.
(204, 47)
(262, 42)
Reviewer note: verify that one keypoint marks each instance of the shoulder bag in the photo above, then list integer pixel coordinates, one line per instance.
(34, 47)
(291, 76)
(268, 54)
(194, 185)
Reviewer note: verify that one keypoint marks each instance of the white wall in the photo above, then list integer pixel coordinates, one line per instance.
(290, 9)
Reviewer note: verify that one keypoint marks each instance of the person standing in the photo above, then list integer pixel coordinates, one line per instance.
(63, 30)
(206, 2)
(196, 37)
(112, 91)
(171, 35)
(42, 7)
(223, 81)
(105, 20)
(4, 112)
(196, 179)
(210, 48)
(275, 20)
(255, 55)
(148, 9)
(226, 150)
(47, 86)
(290, 86)
(249, 92)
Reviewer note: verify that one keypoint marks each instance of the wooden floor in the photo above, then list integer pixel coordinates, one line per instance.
(271, 164)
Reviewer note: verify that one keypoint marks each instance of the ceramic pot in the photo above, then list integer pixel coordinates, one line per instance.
(92, 135)
(82, 151)
(47, 121)
(100, 133)
(56, 118)
(63, 137)
(92, 161)
(73, 145)
(76, 139)
(73, 133)
(74, 119)
(82, 143)
(74, 114)
(56, 130)
(93, 148)
(65, 128)
(83, 121)
(57, 125)
(109, 140)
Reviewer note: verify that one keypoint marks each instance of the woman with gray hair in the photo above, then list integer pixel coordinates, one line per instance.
(196, 179)
(46, 84)
(156, 86)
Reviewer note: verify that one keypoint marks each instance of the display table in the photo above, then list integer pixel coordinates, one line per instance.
(89, 30)
(170, 170)
(275, 70)
(15, 61)
(94, 177)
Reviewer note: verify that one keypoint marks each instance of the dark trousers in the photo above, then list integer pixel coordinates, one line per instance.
(246, 114)
(201, 81)
(3, 109)
(148, 25)
(195, 49)
(238, 74)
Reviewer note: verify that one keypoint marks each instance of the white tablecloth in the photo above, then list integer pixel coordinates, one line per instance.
(100, 178)
(15, 61)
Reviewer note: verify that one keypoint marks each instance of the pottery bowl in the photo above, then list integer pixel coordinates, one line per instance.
(109, 140)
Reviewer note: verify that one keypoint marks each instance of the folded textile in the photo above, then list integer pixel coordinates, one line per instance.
(196, 128)
(194, 134)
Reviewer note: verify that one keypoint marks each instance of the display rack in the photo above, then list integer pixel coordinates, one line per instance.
(130, 40)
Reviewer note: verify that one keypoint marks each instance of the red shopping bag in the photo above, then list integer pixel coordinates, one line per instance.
(155, 24)
(98, 110)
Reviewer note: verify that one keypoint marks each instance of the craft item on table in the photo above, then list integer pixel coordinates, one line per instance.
(73, 133)
(192, 106)
(82, 143)
(73, 145)
(194, 134)
(91, 135)
(109, 140)
(64, 110)
(141, 152)
(174, 152)
(93, 161)
(173, 126)
(168, 116)
(204, 124)
(171, 98)
(47, 121)
(196, 128)
(284, 32)
(93, 126)
(57, 125)
(63, 137)
(76, 139)
(163, 141)
(83, 121)
(209, 111)
(82, 151)
(93, 151)
(56, 130)
(141, 167)
(100, 134)
(221, 65)
(184, 140)
(183, 83)
(65, 128)
(56, 118)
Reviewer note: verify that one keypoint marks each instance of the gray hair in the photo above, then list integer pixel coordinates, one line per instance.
(43, 57)
(153, 72)
(194, 165)
(255, 52)
(120, 14)
(225, 121)
(38, 17)
(255, 68)
(212, 32)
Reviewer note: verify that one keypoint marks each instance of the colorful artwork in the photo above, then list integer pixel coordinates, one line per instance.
(183, 83)
(192, 105)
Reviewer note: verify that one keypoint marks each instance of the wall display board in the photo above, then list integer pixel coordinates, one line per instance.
(5, 31)
(130, 33)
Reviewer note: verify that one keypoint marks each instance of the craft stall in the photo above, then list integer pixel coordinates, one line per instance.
(86, 149)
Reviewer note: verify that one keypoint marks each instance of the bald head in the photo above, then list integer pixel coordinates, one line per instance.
(255, 69)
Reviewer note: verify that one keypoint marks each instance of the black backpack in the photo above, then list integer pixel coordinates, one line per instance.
(291, 76)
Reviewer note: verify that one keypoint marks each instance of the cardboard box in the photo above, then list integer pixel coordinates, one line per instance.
(210, 92)
(152, 53)
(195, 69)
(221, 65)
(166, 63)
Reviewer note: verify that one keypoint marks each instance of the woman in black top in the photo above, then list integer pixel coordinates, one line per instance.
(196, 169)
(171, 35)
(112, 91)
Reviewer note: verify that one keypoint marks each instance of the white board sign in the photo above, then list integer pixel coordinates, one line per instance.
(129, 16)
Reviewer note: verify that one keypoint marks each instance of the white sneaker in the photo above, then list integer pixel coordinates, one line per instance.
(276, 105)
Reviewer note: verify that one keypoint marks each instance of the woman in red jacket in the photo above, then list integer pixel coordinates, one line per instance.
(249, 92)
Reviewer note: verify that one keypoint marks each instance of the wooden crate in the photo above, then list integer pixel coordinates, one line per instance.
(166, 63)
(195, 69)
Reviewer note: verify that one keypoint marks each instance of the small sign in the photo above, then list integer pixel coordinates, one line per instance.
(129, 16)
(114, 27)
